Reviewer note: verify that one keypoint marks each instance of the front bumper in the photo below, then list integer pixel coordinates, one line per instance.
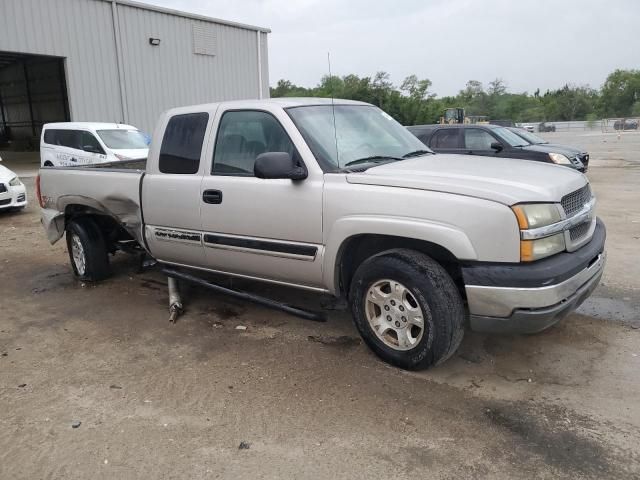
(14, 197)
(528, 298)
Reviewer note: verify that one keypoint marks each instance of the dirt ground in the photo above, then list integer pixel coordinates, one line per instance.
(155, 400)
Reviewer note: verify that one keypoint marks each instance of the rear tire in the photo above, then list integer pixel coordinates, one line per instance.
(407, 309)
(48, 164)
(87, 250)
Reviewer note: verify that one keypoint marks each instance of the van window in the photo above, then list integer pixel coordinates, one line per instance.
(182, 143)
(63, 138)
(90, 143)
(242, 136)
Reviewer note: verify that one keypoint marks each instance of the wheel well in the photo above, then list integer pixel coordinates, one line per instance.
(357, 249)
(112, 231)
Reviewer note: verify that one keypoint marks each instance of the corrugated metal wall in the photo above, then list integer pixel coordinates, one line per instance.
(154, 77)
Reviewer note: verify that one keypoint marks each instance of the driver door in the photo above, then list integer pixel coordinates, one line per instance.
(265, 228)
(478, 142)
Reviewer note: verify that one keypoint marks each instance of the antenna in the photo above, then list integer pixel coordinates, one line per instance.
(333, 108)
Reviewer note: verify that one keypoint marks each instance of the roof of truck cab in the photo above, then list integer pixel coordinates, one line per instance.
(282, 102)
(88, 126)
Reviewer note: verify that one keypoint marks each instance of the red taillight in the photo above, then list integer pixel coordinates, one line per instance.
(38, 193)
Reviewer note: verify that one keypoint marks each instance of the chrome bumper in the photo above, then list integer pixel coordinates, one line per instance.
(502, 301)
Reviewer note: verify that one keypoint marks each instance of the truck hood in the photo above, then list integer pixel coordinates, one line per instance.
(504, 180)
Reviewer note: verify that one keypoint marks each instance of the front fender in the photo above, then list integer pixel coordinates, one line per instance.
(447, 236)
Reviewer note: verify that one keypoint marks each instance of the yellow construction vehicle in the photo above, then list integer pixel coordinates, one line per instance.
(454, 116)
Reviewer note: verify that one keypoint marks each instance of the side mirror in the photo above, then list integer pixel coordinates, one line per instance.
(90, 149)
(271, 165)
(497, 146)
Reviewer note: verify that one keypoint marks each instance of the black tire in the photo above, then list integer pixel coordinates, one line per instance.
(48, 164)
(430, 287)
(94, 250)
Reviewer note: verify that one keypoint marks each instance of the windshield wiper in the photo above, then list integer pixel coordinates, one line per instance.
(416, 153)
(372, 158)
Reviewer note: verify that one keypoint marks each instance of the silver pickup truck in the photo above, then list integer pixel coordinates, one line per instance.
(337, 197)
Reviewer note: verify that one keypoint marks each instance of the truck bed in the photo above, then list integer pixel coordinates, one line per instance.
(111, 189)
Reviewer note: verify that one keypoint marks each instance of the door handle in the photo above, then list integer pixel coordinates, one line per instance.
(212, 196)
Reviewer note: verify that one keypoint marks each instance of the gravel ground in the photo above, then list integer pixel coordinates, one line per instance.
(94, 381)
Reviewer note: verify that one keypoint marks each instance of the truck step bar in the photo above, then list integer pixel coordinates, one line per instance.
(264, 301)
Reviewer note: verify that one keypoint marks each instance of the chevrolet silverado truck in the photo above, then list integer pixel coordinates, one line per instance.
(337, 197)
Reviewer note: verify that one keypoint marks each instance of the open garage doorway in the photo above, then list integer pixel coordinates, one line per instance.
(33, 91)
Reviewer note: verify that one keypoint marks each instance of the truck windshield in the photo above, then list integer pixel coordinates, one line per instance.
(528, 136)
(120, 139)
(356, 134)
(511, 138)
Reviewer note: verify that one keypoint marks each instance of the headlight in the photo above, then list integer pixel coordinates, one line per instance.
(531, 250)
(15, 182)
(559, 159)
(534, 215)
(537, 215)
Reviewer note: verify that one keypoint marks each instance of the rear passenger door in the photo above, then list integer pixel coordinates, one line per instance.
(264, 228)
(446, 140)
(478, 142)
(171, 192)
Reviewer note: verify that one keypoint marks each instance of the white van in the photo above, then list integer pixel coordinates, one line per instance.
(83, 143)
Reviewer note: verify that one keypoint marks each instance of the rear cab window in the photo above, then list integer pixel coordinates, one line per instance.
(182, 143)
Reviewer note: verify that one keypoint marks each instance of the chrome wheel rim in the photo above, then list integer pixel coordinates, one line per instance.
(77, 252)
(394, 315)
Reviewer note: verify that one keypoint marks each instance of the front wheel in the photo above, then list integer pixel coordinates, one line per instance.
(407, 309)
(87, 250)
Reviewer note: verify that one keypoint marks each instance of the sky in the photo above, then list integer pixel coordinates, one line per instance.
(529, 44)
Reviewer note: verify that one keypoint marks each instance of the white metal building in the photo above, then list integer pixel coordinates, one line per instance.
(120, 61)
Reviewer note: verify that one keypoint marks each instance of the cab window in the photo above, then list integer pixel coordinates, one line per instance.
(445, 138)
(242, 136)
(476, 139)
(182, 143)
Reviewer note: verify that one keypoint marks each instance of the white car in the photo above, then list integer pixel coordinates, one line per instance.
(13, 194)
(528, 128)
(82, 143)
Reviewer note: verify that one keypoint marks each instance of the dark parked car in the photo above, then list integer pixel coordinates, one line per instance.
(492, 141)
(626, 124)
(546, 127)
(571, 152)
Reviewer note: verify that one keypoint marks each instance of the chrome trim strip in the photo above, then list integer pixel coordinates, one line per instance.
(582, 216)
(259, 252)
(502, 301)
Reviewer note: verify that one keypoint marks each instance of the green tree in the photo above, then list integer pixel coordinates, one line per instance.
(620, 92)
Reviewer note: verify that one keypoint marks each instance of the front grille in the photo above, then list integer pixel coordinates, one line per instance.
(579, 231)
(21, 197)
(5, 202)
(573, 202)
(3, 188)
